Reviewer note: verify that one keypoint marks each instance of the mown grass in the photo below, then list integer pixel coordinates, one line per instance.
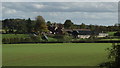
(58, 54)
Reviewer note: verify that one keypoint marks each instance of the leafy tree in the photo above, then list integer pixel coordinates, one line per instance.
(68, 24)
(114, 56)
(40, 25)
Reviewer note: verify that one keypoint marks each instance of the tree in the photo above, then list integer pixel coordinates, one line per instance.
(48, 23)
(117, 33)
(29, 25)
(68, 24)
(114, 57)
(5, 25)
(82, 26)
(21, 26)
(92, 27)
(40, 25)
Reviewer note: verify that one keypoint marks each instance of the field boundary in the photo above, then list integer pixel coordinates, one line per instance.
(50, 67)
(69, 42)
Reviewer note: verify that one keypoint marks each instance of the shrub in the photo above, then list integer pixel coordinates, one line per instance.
(36, 38)
(114, 56)
(63, 38)
(51, 39)
(5, 40)
(117, 33)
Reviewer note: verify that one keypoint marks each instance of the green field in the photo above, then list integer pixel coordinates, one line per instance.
(58, 54)
(15, 35)
(110, 39)
(111, 33)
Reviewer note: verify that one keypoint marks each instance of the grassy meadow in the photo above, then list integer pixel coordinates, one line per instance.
(15, 35)
(111, 33)
(57, 54)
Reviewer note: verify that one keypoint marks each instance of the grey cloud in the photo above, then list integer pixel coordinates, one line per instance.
(63, 6)
(59, 0)
(104, 13)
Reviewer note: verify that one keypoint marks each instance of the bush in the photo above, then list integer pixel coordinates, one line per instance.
(36, 39)
(117, 33)
(63, 38)
(114, 56)
(51, 39)
(5, 40)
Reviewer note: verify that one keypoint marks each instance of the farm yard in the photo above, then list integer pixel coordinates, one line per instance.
(57, 54)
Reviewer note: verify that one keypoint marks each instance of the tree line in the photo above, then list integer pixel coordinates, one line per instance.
(39, 25)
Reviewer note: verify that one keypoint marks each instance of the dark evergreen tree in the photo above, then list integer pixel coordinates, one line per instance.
(68, 24)
(29, 26)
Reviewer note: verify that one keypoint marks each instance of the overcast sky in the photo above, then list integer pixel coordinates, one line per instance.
(101, 13)
(59, 0)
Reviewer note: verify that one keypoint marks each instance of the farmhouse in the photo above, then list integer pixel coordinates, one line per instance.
(85, 33)
(79, 33)
(102, 35)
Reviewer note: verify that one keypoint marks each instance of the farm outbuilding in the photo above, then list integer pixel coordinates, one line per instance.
(85, 33)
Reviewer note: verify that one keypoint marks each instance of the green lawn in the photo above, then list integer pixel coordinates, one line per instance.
(58, 54)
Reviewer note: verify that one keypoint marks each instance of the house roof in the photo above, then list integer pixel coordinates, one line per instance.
(87, 33)
(82, 31)
(77, 30)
